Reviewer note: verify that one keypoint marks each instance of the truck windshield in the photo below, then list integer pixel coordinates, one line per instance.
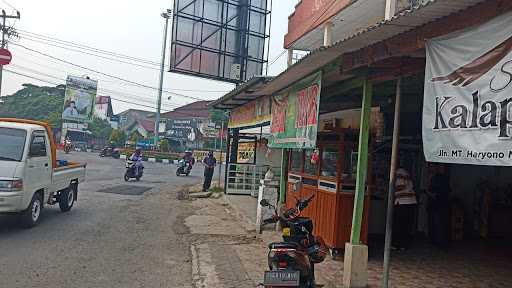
(12, 142)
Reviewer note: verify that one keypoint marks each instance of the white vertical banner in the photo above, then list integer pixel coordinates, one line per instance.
(467, 103)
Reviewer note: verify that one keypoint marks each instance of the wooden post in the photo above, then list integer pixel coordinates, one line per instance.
(391, 187)
(282, 182)
(362, 163)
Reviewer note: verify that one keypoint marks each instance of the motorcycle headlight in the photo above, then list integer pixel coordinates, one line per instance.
(11, 185)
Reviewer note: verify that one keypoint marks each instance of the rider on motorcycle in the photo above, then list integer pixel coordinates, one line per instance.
(189, 159)
(137, 158)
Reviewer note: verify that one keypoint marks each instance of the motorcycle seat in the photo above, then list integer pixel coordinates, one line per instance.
(283, 245)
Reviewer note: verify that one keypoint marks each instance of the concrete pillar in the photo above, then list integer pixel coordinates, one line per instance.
(390, 10)
(290, 57)
(328, 33)
(355, 271)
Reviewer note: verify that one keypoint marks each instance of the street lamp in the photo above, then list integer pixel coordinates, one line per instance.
(166, 16)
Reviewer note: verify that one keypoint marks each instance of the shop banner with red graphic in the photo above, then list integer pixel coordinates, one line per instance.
(467, 105)
(294, 117)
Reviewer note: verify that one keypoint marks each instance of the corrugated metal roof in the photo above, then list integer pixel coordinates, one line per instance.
(425, 12)
(244, 93)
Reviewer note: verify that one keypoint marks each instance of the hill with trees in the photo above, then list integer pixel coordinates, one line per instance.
(35, 102)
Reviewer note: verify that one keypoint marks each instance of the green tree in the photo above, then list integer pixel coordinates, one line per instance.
(100, 128)
(118, 138)
(134, 137)
(164, 145)
(219, 116)
(35, 102)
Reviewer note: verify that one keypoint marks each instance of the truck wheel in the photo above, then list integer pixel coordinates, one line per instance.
(67, 199)
(31, 216)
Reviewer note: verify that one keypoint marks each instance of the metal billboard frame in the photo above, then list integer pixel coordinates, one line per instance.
(242, 30)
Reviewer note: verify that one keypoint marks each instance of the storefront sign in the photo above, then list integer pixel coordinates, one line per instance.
(467, 115)
(246, 152)
(295, 115)
(199, 155)
(253, 113)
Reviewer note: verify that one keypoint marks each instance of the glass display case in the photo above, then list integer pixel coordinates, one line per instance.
(310, 168)
(296, 161)
(329, 166)
(331, 178)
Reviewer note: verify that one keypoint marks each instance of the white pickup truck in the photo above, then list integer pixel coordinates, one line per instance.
(30, 174)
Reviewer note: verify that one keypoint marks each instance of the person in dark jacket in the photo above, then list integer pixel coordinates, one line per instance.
(209, 167)
(439, 207)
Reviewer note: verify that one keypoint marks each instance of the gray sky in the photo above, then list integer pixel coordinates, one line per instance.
(125, 26)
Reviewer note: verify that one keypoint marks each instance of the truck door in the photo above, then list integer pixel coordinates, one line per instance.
(39, 167)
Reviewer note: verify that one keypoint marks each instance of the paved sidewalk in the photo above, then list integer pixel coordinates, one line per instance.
(228, 253)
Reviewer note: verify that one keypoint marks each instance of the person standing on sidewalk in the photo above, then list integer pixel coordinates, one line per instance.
(405, 209)
(209, 167)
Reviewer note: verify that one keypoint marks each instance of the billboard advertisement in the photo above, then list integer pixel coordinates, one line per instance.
(467, 100)
(182, 129)
(221, 39)
(295, 115)
(79, 99)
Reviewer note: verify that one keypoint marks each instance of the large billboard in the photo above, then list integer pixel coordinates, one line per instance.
(219, 39)
(467, 103)
(79, 99)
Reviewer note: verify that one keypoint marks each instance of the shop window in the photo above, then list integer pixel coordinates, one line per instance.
(329, 160)
(350, 169)
(310, 167)
(296, 161)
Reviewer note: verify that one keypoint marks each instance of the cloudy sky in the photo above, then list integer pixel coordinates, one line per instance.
(127, 27)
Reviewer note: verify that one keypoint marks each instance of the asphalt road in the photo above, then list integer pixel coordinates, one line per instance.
(108, 239)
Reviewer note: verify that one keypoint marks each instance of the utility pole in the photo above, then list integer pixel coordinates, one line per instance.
(221, 143)
(166, 16)
(6, 31)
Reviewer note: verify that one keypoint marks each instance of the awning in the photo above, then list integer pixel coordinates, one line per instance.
(425, 12)
(243, 94)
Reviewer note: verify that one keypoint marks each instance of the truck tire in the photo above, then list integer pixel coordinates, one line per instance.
(67, 199)
(31, 216)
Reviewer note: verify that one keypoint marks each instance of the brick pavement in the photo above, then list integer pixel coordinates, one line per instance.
(238, 259)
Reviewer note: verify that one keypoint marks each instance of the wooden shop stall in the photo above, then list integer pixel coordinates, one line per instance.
(320, 163)
(329, 173)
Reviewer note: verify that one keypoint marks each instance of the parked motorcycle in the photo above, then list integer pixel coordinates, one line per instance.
(184, 168)
(130, 171)
(292, 262)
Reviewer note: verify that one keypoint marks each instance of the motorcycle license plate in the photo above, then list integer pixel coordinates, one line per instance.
(283, 278)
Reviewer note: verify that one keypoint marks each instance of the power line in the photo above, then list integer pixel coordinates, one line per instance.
(101, 90)
(110, 92)
(104, 74)
(7, 3)
(57, 84)
(85, 47)
(87, 53)
(47, 40)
